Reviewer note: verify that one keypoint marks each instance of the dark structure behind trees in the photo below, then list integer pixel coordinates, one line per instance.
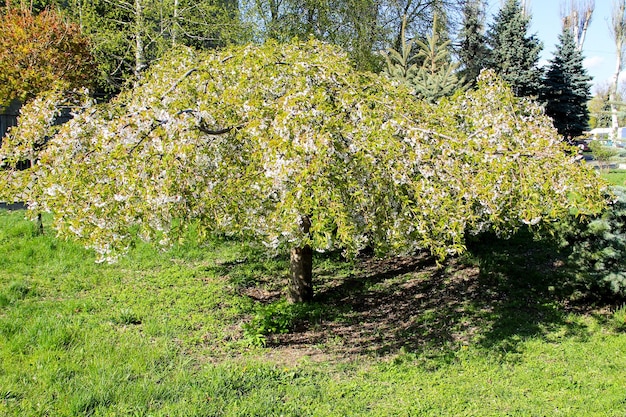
(8, 117)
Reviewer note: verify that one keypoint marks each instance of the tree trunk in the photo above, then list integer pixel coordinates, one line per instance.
(613, 96)
(301, 270)
(140, 54)
(577, 17)
(175, 24)
(39, 224)
(301, 279)
(585, 25)
(618, 31)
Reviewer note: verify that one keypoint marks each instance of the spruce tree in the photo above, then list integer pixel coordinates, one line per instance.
(401, 65)
(472, 41)
(566, 88)
(437, 77)
(513, 54)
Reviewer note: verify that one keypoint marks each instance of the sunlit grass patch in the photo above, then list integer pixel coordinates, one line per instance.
(168, 333)
(615, 176)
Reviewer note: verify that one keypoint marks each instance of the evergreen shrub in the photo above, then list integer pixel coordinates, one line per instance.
(597, 250)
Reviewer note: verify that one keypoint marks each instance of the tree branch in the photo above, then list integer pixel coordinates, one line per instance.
(177, 83)
(214, 132)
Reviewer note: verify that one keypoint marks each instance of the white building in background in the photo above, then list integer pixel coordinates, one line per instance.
(603, 134)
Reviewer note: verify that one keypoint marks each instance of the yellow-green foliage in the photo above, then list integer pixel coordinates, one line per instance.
(250, 139)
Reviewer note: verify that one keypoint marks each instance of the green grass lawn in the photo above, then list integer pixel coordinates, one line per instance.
(184, 333)
(616, 176)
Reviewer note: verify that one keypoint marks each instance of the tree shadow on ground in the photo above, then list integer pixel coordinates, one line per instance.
(500, 294)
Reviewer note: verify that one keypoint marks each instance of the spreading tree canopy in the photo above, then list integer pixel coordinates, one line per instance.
(600, 107)
(514, 54)
(566, 88)
(288, 145)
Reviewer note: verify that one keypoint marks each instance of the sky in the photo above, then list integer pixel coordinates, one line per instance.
(598, 49)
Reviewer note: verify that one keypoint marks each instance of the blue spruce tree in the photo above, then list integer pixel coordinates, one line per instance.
(513, 54)
(566, 88)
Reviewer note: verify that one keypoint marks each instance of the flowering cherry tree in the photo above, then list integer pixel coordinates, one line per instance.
(22, 146)
(289, 145)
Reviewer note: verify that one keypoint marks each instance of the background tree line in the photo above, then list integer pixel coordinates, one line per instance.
(128, 35)
(437, 46)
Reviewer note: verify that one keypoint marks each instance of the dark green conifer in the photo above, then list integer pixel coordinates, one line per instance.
(566, 88)
(513, 54)
(472, 41)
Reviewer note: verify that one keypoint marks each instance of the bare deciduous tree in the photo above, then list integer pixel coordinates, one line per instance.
(618, 31)
(577, 15)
